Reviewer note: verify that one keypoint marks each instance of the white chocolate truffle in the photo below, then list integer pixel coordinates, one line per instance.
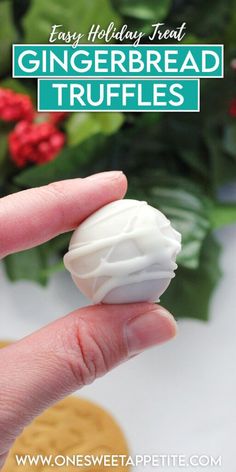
(123, 253)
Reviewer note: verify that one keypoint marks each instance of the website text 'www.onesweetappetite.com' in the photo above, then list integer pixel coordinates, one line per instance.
(108, 460)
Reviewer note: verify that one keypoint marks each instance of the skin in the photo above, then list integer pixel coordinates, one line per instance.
(84, 345)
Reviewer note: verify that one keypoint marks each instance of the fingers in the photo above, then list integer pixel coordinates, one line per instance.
(71, 353)
(31, 217)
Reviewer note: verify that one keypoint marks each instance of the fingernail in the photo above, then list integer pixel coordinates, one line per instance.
(147, 330)
(110, 175)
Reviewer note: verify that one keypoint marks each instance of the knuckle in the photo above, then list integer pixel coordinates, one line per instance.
(56, 188)
(56, 191)
(85, 355)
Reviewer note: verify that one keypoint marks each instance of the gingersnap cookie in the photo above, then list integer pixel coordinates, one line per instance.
(4, 343)
(73, 435)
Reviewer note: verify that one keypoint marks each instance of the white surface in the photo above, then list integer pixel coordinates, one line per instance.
(177, 398)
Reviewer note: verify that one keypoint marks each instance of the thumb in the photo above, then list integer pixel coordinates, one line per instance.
(70, 353)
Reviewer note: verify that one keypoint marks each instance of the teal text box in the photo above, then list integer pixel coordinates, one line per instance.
(118, 95)
(118, 61)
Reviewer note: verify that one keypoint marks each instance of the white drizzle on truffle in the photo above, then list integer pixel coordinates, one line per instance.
(123, 253)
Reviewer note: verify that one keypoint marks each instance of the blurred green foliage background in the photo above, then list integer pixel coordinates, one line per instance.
(177, 162)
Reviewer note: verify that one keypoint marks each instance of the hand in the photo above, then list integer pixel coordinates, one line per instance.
(75, 350)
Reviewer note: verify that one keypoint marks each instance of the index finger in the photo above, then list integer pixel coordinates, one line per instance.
(34, 216)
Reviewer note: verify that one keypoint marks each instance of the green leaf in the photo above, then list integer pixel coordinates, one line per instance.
(230, 37)
(3, 144)
(222, 215)
(230, 140)
(27, 265)
(7, 35)
(15, 85)
(60, 243)
(190, 292)
(71, 163)
(81, 126)
(72, 14)
(19, 86)
(185, 138)
(194, 160)
(222, 168)
(189, 215)
(192, 39)
(204, 21)
(53, 269)
(187, 209)
(19, 9)
(148, 10)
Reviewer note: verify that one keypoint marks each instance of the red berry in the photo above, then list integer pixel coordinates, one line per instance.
(232, 108)
(35, 143)
(15, 106)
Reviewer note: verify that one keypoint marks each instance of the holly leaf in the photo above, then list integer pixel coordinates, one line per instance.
(27, 265)
(71, 163)
(81, 126)
(40, 17)
(190, 291)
